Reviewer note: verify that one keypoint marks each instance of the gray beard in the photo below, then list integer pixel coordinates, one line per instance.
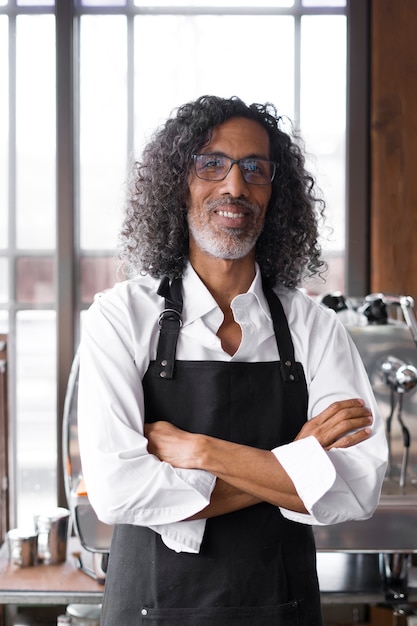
(231, 246)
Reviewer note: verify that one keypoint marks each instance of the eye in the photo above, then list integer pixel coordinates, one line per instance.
(254, 166)
(210, 161)
(255, 170)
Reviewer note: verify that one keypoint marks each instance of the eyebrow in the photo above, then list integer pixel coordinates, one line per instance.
(249, 156)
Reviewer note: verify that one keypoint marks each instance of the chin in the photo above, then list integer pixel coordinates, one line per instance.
(229, 253)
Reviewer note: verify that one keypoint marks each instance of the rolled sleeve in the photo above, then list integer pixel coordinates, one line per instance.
(340, 484)
(311, 472)
(125, 483)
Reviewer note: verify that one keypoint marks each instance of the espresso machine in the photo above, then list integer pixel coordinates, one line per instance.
(372, 561)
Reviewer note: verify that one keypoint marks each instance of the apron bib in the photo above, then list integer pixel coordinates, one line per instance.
(255, 567)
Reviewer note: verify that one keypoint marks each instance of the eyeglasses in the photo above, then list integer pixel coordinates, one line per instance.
(217, 166)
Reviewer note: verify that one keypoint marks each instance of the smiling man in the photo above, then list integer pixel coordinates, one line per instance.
(222, 412)
(226, 217)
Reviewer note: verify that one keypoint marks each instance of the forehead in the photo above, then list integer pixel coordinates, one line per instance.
(238, 137)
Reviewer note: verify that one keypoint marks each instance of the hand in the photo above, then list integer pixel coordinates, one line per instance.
(171, 444)
(246, 475)
(179, 448)
(342, 425)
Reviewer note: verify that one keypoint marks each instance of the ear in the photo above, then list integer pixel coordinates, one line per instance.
(186, 197)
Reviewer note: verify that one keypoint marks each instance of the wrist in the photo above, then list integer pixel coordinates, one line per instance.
(201, 451)
(212, 453)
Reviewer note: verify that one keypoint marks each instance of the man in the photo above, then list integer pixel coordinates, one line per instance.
(221, 411)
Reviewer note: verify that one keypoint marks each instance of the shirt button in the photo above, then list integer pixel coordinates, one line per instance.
(144, 611)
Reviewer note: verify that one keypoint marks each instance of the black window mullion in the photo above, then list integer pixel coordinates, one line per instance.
(130, 85)
(297, 70)
(12, 271)
(65, 245)
(357, 263)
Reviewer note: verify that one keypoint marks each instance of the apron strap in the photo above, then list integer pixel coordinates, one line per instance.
(289, 369)
(169, 323)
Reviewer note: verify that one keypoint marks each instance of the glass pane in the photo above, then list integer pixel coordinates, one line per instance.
(215, 3)
(35, 114)
(323, 116)
(35, 3)
(4, 322)
(324, 3)
(103, 3)
(97, 274)
(103, 139)
(36, 419)
(263, 72)
(4, 280)
(4, 128)
(35, 280)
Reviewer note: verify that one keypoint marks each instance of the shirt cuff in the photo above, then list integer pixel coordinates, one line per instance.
(310, 470)
(182, 536)
(186, 536)
(200, 480)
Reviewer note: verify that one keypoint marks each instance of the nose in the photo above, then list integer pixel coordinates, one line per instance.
(234, 183)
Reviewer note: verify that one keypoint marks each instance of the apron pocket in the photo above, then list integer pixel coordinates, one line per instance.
(283, 614)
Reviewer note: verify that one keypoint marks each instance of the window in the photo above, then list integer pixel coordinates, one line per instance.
(122, 66)
(27, 246)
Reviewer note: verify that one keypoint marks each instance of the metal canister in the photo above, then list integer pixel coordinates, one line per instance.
(53, 529)
(23, 547)
(84, 614)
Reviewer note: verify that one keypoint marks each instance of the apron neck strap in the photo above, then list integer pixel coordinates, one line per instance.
(169, 324)
(172, 293)
(289, 370)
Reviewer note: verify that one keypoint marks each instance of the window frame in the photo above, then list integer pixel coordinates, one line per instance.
(67, 255)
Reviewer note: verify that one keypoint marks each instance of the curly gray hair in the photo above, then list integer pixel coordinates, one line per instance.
(154, 235)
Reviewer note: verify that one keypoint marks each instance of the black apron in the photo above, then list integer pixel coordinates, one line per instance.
(255, 567)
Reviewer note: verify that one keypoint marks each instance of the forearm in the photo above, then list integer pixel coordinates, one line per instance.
(256, 473)
(253, 471)
(225, 499)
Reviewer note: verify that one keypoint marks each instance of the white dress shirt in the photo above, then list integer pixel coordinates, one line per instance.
(125, 484)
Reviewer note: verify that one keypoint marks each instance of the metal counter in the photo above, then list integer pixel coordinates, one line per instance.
(371, 561)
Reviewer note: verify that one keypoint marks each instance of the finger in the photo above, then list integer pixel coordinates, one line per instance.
(340, 406)
(345, 429)
(350, 420)
(338, 424)
(351, 439)
(333, 430)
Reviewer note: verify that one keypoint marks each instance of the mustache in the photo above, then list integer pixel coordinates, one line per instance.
(238, 202)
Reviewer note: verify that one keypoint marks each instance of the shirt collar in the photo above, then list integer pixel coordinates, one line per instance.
(257, 290)
(203, 302)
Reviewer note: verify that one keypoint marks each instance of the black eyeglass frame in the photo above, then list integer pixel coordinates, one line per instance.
(272, 164)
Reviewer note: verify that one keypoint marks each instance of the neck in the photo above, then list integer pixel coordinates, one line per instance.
(224, 278)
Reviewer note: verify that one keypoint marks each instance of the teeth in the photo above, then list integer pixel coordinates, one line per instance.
(231, 215)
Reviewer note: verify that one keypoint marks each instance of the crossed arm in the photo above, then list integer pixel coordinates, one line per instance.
(246, 475)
